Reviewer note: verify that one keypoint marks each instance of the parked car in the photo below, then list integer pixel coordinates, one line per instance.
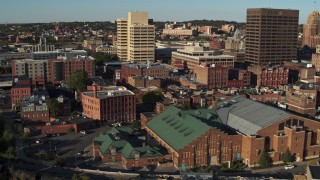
(289, 166)
(83, 132)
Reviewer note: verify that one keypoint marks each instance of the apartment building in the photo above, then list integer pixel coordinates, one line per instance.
(214, 76)
(136, 38)
(37, 70)
(109, 104)
(271, 35)
(271, 76)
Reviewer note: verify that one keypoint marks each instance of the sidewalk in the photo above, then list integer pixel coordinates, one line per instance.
(265, 170)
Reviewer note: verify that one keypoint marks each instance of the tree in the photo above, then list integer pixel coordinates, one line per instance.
(26, 137)
(54, 108)
(71, 130)
(80, 177)
(101, 58)
(151, 98)
(60, 161)
(287, 157)
(136, 124)
(78, 80)
(264, 160)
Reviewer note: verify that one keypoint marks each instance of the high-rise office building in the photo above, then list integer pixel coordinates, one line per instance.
(136, 38)
(311, 30)
(271, 35)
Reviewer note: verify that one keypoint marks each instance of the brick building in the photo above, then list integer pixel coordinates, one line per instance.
(109, 104)
(214, 76)
(116, 145)
(240, 128)
(267, 128)
(152, 70)
(139, 81)
(216, 43)
(302, 101)
(61, 69)
(271, 76)
(299, 71)
(34, 109)
(199, 137)
(238, 77)
(21, 89)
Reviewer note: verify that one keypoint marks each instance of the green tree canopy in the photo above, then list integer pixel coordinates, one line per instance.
(101, 58)
(264, 160)
(287, 157)
(54, 108)
(151, 98)
(78, 80)
(80, 177)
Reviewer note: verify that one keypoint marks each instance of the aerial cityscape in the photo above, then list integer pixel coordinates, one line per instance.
(160, 90)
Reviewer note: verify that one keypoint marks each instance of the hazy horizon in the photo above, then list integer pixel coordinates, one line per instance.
(35, 11)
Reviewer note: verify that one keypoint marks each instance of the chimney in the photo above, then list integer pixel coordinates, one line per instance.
(94, 90)
(214, 104)
(143, 144)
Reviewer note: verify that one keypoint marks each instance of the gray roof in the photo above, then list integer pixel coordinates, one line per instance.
(314, 171)
(248, 116)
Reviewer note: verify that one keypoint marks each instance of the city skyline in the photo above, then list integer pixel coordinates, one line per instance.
(98, 10)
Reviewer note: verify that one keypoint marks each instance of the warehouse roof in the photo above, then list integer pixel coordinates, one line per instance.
(179, 127)
(248, 116)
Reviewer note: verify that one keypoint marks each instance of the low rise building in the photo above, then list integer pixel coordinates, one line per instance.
(152, 70)
(92, 43)
(140, 81)
(271, 76)
(34, 109)
(238, 129)
(214, 76)
(199, 137)
(107, 49)
(180, 32)
(192, 56)
(302, 101)
(300, 71)
(121, 145)
(20, 90)
(109, 104)
(60, 69)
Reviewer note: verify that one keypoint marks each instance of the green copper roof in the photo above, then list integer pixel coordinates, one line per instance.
(107, 142)
(178, 128)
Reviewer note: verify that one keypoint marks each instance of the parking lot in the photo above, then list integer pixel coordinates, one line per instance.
(73, 147)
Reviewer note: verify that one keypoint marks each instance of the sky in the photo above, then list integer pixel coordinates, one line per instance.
(33, 11)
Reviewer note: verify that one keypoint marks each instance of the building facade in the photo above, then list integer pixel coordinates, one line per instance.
(109, 104)
(151, 70)
(302, 101)
(135, 38)
(61, 69)
(271, 76)
(214, 76)
(271, 35)
(192, 56)
(311, 30)
(37, 70)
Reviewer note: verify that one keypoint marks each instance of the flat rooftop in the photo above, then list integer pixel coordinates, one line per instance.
(105, 93)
